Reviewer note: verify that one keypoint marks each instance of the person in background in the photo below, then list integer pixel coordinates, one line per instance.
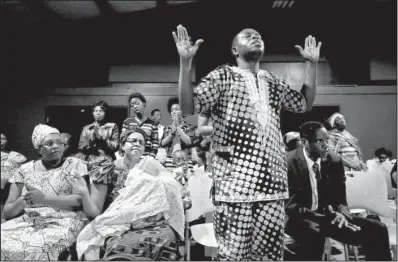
(138, 103)
(317, 207)
(382, 159)
(177, 136)
(67, 140)
(42, 210)
(156, 117)
(100, 139)
(292, 141)
(345, 144)
(10, 162)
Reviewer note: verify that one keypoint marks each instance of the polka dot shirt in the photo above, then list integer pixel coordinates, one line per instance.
(249, 163)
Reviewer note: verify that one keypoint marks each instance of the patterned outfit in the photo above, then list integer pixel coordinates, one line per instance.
(249, 162)
(152, 238)
(151, 130)
(90, 146)
(347, 146)
(43, 232)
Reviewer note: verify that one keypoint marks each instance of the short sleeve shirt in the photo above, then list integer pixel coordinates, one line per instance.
(249, 163)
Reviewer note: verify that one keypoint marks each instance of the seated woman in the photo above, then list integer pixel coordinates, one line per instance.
(142, 203)
(41, 208)
(99, 139)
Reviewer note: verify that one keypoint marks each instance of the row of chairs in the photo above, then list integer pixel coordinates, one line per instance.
(365, 190)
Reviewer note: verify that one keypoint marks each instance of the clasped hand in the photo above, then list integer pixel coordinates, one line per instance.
(34, 196)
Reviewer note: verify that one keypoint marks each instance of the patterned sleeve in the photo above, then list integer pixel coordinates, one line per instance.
(154, 141)
(84, 142)
(207, 93)
(292, 100)
(18, 176)
(101, 172)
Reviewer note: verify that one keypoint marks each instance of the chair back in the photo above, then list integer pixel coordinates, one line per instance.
(369, 191)
(199, 186)
(385, 172)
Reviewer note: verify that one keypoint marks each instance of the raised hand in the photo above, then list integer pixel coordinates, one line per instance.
(184, 45)
(311, 50)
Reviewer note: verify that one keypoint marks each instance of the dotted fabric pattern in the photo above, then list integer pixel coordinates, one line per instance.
(249, 231)
(249, 163)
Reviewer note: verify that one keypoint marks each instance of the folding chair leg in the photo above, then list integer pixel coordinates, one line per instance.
(346, 253)
(187, 256)
(355, 248)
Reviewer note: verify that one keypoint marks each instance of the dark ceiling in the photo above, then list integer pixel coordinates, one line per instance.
(75, 42)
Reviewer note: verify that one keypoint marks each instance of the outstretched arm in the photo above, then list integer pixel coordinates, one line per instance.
(186, 52)
(310, 53)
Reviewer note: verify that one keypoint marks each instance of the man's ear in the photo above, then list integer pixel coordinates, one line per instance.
(234, 51)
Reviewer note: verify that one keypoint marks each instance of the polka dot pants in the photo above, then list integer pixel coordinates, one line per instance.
(249, 231)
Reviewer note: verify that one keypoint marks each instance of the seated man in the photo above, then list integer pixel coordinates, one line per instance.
(317, 207)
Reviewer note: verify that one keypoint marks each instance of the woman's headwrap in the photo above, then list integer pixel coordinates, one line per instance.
(332, 119)
(40, 132)
(290, 136)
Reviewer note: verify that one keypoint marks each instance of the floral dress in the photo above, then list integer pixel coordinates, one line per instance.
(43, 232)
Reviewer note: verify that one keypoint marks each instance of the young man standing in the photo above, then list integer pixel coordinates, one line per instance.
(249, 166)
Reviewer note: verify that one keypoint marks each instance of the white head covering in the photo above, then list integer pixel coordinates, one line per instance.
(332, 118)
(40, 132)
(291, 136)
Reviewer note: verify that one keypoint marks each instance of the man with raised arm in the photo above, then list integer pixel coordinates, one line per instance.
(249, 164)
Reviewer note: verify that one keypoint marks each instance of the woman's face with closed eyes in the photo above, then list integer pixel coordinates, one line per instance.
(134, 145)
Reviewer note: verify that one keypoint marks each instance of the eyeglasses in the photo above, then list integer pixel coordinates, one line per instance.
(49, 144)
(134, 140)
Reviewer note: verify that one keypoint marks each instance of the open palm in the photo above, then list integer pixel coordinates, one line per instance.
(184, 45)
(311, 50)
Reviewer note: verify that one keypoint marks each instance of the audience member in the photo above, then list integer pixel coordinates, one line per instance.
(382, 159)
(100, 139)
(142, 203)
(345, 144)
(67, 140)
(138, 102)
(317, 207)
(41, 209)
(292, 141)
(177, 135)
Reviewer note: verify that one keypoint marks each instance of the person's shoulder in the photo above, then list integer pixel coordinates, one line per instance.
(220, 72)
(28, 166)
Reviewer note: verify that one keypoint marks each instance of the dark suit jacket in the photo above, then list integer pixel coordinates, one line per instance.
(331, 187)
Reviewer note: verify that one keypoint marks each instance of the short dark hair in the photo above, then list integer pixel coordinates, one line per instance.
(172, 101)
(137, 95)
(154, 111)
(125, 134)
(308, 129)
(104, 105)
(384, 151)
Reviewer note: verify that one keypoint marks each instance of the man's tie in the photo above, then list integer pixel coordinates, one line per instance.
(315, 168)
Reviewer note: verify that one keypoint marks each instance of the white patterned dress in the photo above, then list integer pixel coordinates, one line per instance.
(249, 163)
(43, 232)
